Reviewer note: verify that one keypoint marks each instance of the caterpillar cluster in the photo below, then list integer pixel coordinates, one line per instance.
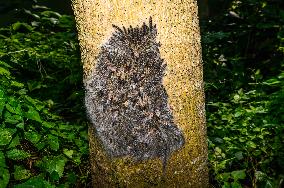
(125, 98)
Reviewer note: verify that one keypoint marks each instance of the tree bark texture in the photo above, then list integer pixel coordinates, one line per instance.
(178, 38)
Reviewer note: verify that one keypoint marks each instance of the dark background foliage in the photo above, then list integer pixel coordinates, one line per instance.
(43, 130)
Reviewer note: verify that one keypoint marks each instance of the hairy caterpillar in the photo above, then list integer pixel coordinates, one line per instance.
(125, 98)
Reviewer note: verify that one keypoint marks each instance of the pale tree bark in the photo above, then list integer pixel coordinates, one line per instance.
(178, 33)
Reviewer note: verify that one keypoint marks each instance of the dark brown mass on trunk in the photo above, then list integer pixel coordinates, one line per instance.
(125, 98)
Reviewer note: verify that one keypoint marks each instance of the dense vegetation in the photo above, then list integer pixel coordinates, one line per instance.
(43, 137)
(243, 59)
(43, 128)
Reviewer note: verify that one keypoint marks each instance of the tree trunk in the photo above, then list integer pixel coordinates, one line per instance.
(144, 92)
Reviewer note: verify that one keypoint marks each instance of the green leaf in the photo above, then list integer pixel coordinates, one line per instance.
(72, 178)
(224, 176)
(5, 136)
(33, 115)
(48, 124)
(15, 142)
(17, 154)
(239, 155)
(2, 101)
(2, 160)
(236, 185)
(54, 164)
(251, 144)
(238, 114)
(33, 137)
(257, 152)
(14, 109)
(54, 176)
(66, 21)
(53, 142)
(68, 153)
(35, 85)
(238, 174)
(4, 177)
(5, 64)
(260, 176)
(18, 25)
(35, 182)
(17, 84)
(269, 184)
(20, 173)
(20, 125)
(12, 119)
(40, 145)
(226, 185)
(4, 72)
(49, 13)
(242, 139)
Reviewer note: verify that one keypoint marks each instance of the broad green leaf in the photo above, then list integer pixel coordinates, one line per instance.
(242, 139)
(4, 177)
(68, 153)
(31, 100)
(48, 124)
(66, 21)
(20, 125)
(33, 115)
(2, 63)
(257, 152)
(251, 144)
(238, 114)
(53, 142)
(35, 182)
(236, 97)
(54, 176)
(17, 84)
(49, 13)
(18, 25)
(222, 165)
(22, 91)
(2, 101)
(10, 108)
(5, 136)
(65, 127)
(20, 173)
(53, 164)
(226, 185)
(238, 174)
(14, 109)
(260, 176)
(2, 160)
(17, 154)
(15, 142)
(218, 150)
(34, 85)
(4, 71)
(224, 176)
(239, 155)
(40, 145)
(72, 178)
(269, 184)
(84, 135)
(10, 118)
(33, 137)
(236, 185)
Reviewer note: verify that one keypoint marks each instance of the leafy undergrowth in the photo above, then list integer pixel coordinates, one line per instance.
(43, 132)
(246, 138)
(244, 74)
